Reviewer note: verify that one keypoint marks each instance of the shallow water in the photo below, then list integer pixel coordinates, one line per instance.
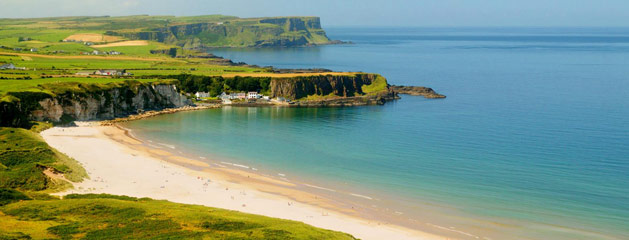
(534, 134)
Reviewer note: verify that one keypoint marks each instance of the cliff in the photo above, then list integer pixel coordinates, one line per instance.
(87, 102)
(333, 90)
(248, 32)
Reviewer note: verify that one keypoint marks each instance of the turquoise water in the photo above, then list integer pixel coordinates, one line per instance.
(534, 134)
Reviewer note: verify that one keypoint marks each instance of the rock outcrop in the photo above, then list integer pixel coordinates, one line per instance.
(91, 104)
(416, 91)
(333, 90)
(321, 85)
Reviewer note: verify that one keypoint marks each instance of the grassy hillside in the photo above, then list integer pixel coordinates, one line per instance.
(68, 35)
(115, 217)
(24, 157)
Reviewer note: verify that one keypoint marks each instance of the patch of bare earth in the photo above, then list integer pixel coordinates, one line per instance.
(92, 37)
(123, 44)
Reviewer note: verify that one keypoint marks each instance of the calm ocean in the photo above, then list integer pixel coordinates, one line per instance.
(533, 138)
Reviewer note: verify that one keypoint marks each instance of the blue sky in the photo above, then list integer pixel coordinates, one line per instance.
(611, 13)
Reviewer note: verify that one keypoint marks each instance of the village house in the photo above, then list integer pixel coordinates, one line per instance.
(33, 49)
(112, 72)
(202, 94)
(253, 95)
(238, 96)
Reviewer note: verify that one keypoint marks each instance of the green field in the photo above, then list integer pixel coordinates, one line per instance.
(163, 32)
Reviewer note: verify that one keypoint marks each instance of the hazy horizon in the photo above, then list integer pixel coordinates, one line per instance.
(407, 13)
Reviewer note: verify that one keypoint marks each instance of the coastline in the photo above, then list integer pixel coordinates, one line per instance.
(119, 164)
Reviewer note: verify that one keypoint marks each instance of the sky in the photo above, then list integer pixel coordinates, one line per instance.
(430, 13)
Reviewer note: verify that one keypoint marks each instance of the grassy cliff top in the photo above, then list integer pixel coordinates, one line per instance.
(161, 31)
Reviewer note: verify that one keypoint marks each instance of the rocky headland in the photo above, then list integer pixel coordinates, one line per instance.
(416, 91)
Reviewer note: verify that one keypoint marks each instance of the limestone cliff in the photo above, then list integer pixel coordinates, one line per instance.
(90, 103)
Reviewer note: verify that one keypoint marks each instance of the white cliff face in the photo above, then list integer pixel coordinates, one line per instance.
(109, 104)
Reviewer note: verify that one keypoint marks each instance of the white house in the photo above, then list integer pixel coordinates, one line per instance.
(253, 95)
(202, 94)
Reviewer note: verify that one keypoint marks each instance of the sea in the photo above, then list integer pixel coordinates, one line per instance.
(532, 141)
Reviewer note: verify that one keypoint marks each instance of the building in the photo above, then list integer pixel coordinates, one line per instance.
(10, 66)
(84, 73)
(106, 72)
(237, 96)
(202, 94)
(33, 49)
(113, 72)
(95, 52)
(253, 95)
(7, 66)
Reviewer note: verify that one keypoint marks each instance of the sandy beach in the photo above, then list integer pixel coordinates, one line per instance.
(119, 164)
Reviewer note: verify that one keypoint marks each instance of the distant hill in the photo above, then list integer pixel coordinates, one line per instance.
(190, 32)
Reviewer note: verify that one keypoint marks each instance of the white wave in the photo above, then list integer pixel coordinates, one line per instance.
(242, 166)
(167, 145)
(322, 188)
(361, 196)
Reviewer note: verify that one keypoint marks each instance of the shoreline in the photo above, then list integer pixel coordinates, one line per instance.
(113, 159)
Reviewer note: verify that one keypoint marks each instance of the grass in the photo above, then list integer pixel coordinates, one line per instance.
(378, 85)
(47, 33)
(23, 158)
(119, 217)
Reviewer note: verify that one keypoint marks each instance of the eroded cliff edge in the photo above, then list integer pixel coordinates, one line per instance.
(334, 90)
(83, 102)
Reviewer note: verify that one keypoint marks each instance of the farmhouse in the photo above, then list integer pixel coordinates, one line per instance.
(112, 72)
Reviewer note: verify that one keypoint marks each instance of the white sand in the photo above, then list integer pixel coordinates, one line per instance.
(123, 169)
